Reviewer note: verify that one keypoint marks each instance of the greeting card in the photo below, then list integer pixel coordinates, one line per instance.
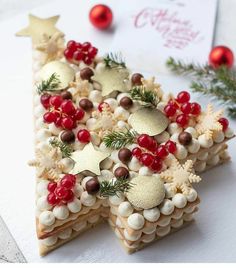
(151, 31)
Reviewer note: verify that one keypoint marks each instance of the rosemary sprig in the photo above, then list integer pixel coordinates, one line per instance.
(64, 148)
(148, 98)
(50, 84)
(219, 83)
(114, 60)
(117, 140)
(109, 188)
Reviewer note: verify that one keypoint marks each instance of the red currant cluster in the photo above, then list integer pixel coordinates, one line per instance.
(61, 112)
(157, 153)
(61, 192)
(180, 109)
(76, 52)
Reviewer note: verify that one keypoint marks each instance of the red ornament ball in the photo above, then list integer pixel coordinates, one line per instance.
(101, 16)
(221, 55)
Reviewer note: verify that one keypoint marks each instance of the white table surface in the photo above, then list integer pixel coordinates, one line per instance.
(211, 239)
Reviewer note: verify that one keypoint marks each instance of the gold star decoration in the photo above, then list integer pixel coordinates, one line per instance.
(52, 46)
(88, 159)
(180, 176)
(38, 27)
(48, 164)
(207, 122)
(112, 79)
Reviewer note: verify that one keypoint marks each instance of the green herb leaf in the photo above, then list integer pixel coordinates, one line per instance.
(48, 85)
(64, 148)
(114, 187)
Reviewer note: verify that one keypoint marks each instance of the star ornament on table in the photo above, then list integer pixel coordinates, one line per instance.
(180, 176)
(88, 159)
(38, 27)
(112, 79)
(207, 122)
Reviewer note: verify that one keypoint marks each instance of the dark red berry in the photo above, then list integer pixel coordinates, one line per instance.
(67, 182)
(86, 46)
(144, 140)
(224, 122)
(68, 54)
(67, 107)
(52, 186)
(147, 159)
(156, 166)
(78, 55)
(161, 151)
(69, 197)
(61, 192)
(71, 45)
(137, 152)
(52, 199)
(79, 114)
(56, 101)
(195, 108)
(183, 97)
(45, 100)
(186, 108)
(171, 146)
(88, 60)
(182, 120)
(67, 123)
(49, 117)
(92, 52)
(83, 136)
(170, 110)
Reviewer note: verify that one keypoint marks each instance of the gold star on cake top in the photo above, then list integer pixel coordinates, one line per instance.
(112, 79)
(180, 176)
(88, 159)
(38, 27)
(207, 122)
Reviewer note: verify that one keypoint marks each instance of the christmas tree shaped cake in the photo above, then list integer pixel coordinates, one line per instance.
(112, 146)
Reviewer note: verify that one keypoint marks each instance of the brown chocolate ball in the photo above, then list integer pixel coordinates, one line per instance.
(124, 155)
(86, 73)
(66, 95)
(121, 173)
(86, 104)
(67, 136)
(185, 138)
(136, 79)
(126, 103)
(92, 186)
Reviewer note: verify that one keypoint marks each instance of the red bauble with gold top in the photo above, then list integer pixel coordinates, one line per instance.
(101, 16)
(221, 55)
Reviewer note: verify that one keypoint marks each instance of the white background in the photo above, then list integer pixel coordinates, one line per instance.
(211, 239)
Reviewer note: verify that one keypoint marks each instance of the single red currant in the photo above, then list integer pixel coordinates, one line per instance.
(68, 107)
(102, 105)
(61, 192)
(88, 60)
(52, 186)
(67, 123)
(78, 45)
(49, 117)
(79, 114)
(174, 103)
(153, 145)
(144, 140)
(146, 159)
(137, 152)
(195, 108)
(78, 55)
(86, 46)
(170, 110)
(156, 166)
(68, 181)
(186, 108)
(69, 196)
(83, 136)
(52, 199)
(171, 146)
(224, 122)
(161, 151)
(68, 54)
(183, 97)
(92, 52)
(45, 100)
(71, 45)
(56, 101)
(58, 122)
(182, 120)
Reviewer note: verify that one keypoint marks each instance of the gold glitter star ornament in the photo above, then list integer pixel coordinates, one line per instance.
(38, 27)
(88, 159)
